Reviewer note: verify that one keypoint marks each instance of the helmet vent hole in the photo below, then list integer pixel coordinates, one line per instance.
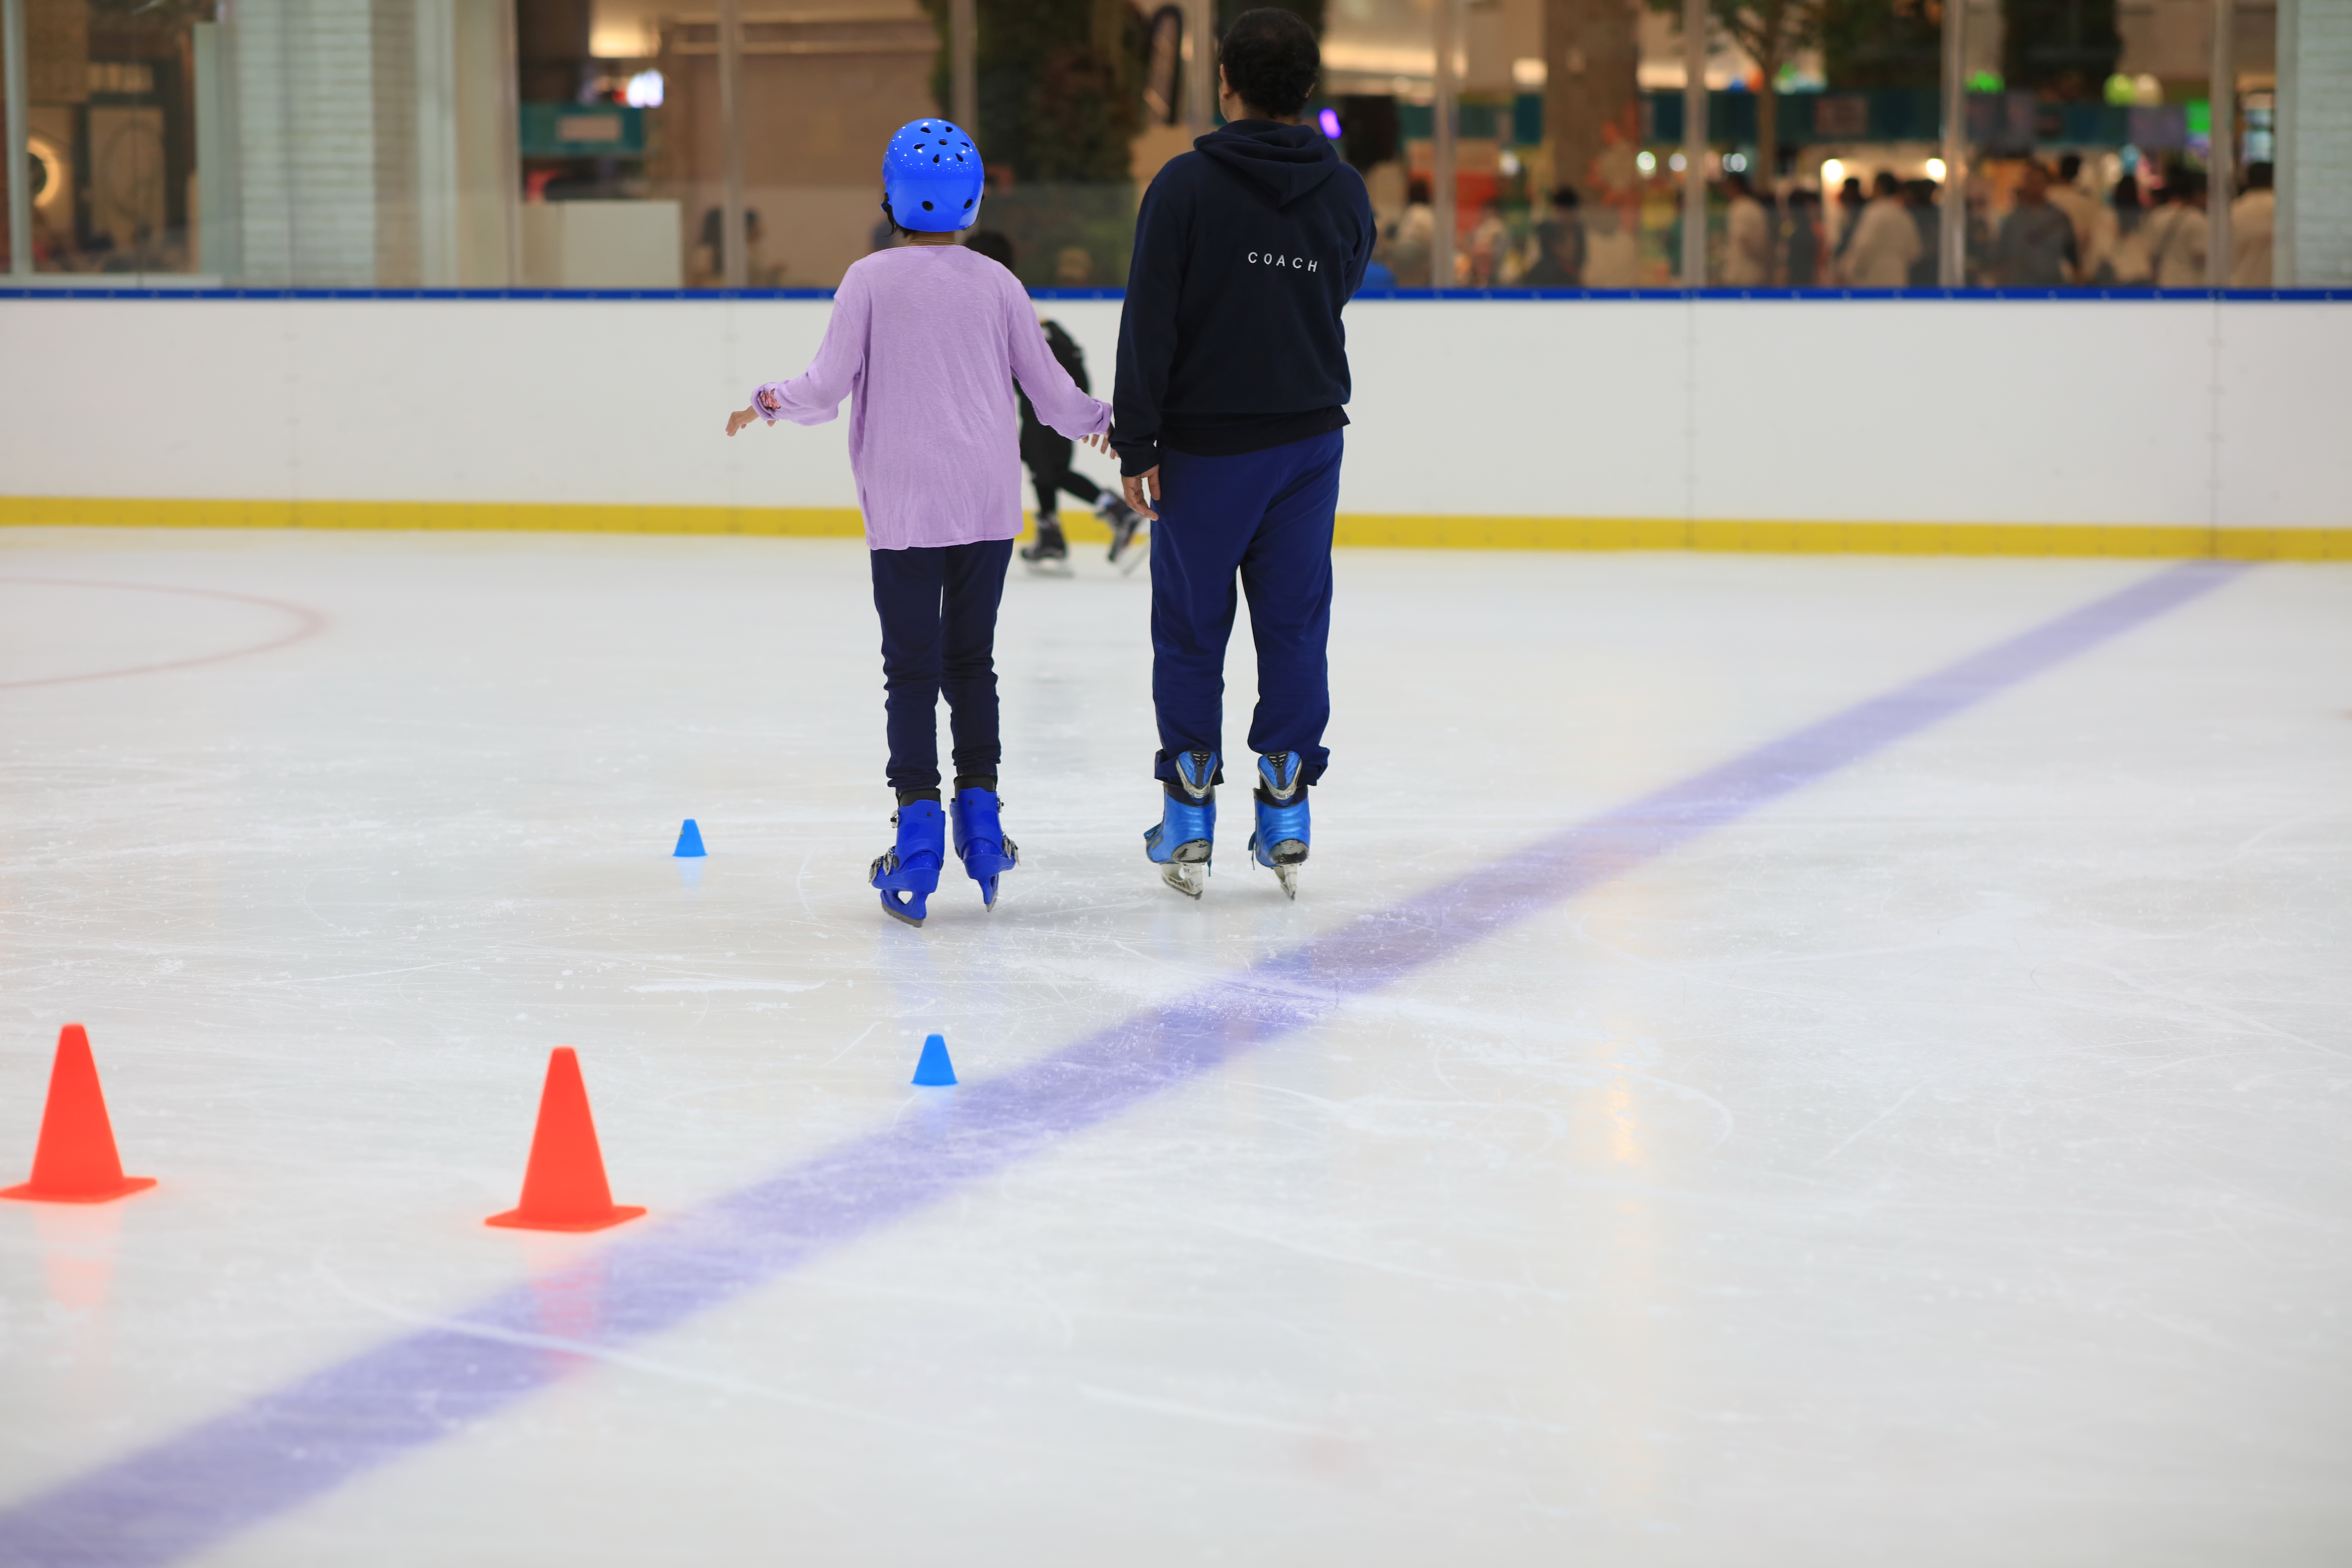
(927, 206)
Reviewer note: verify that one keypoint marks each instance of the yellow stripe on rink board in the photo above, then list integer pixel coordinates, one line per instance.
(1394, 531)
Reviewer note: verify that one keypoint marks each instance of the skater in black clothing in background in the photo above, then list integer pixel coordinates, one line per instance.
(1047, 454)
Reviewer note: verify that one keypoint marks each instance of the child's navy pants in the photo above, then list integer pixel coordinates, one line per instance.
(1265, 516)
(938, 607)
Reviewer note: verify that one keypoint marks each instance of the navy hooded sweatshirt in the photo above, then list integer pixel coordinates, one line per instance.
(1245, 251)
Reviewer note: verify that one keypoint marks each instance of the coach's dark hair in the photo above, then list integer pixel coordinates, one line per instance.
(1271, 60)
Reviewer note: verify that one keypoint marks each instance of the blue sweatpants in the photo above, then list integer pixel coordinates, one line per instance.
(938, 605)
(1265, 516)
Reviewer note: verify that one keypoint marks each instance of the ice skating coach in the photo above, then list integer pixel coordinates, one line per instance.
(1233, 383)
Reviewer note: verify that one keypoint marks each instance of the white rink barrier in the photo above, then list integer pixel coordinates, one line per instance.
(2169, 426)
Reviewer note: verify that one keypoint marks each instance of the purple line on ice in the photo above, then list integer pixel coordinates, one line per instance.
(179, 1495)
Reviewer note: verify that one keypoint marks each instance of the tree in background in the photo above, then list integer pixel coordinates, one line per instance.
(1061, 101)
(1592, 99)
(2058, 49)
(1883, 43)
(1061, 86)
(1771, 31)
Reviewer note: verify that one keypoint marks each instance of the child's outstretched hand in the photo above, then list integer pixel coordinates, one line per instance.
(1099, 443)
(743, 416)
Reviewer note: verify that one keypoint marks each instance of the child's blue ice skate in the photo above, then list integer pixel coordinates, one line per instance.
(1188, 824)
(979, 841)
(1279, 843)
(907, 872)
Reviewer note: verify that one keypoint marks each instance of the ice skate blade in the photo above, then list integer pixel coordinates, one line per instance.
(896, 911)
(1060, 568)
(1189, 877)
(1132, 556)
(1283, 860)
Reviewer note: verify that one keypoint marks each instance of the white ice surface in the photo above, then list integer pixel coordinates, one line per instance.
(1947, 1166)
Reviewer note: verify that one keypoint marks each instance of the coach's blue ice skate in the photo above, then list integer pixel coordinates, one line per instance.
(907, 872)
(1188, 824)
(979, 841)
(1279, 842)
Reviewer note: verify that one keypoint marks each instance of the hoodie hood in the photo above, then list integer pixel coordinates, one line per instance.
(1286, 162)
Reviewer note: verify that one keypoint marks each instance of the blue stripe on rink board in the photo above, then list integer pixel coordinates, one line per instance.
(284, 1449)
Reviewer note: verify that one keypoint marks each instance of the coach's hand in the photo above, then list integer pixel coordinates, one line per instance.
(1137, 486)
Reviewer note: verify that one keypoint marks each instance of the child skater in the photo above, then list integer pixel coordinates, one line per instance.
(1047, 454)
(926, 338)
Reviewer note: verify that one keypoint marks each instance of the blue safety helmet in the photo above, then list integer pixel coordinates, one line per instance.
(931, 177)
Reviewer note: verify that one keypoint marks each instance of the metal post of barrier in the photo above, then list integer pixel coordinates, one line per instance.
(510, 151)
(1442, 161)
(1695, 144)
(1200, 66)
(735, 262)
(963, 65)
(1952, 225)
(2285, 154)
(2221, 162)
(19, 139)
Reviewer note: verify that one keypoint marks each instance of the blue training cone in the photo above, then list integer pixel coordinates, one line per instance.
(689, 839)
(935, 1071)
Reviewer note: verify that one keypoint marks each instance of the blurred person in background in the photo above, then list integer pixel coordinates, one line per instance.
(1612, 252)
(2117, 256)
(2036, 248)
(1559, 243)
(1850, 204)
(1920, 201)
(1885, 240)
(1233, 387)
(709, 266)
(1046, 452)
(706, 267)
(2252, 218)
(1982, 273)
(1748, 237)
(1560, 246)
(1804, 243)
(1410, 241)
(2179, 232)
(1487, 248)
(1074, 268)
(2068, 196)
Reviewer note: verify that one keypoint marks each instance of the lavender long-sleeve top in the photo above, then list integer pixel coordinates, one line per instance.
(926, 341)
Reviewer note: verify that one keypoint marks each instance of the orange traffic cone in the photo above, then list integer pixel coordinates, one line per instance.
(75, 1162)
(563, 1188)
